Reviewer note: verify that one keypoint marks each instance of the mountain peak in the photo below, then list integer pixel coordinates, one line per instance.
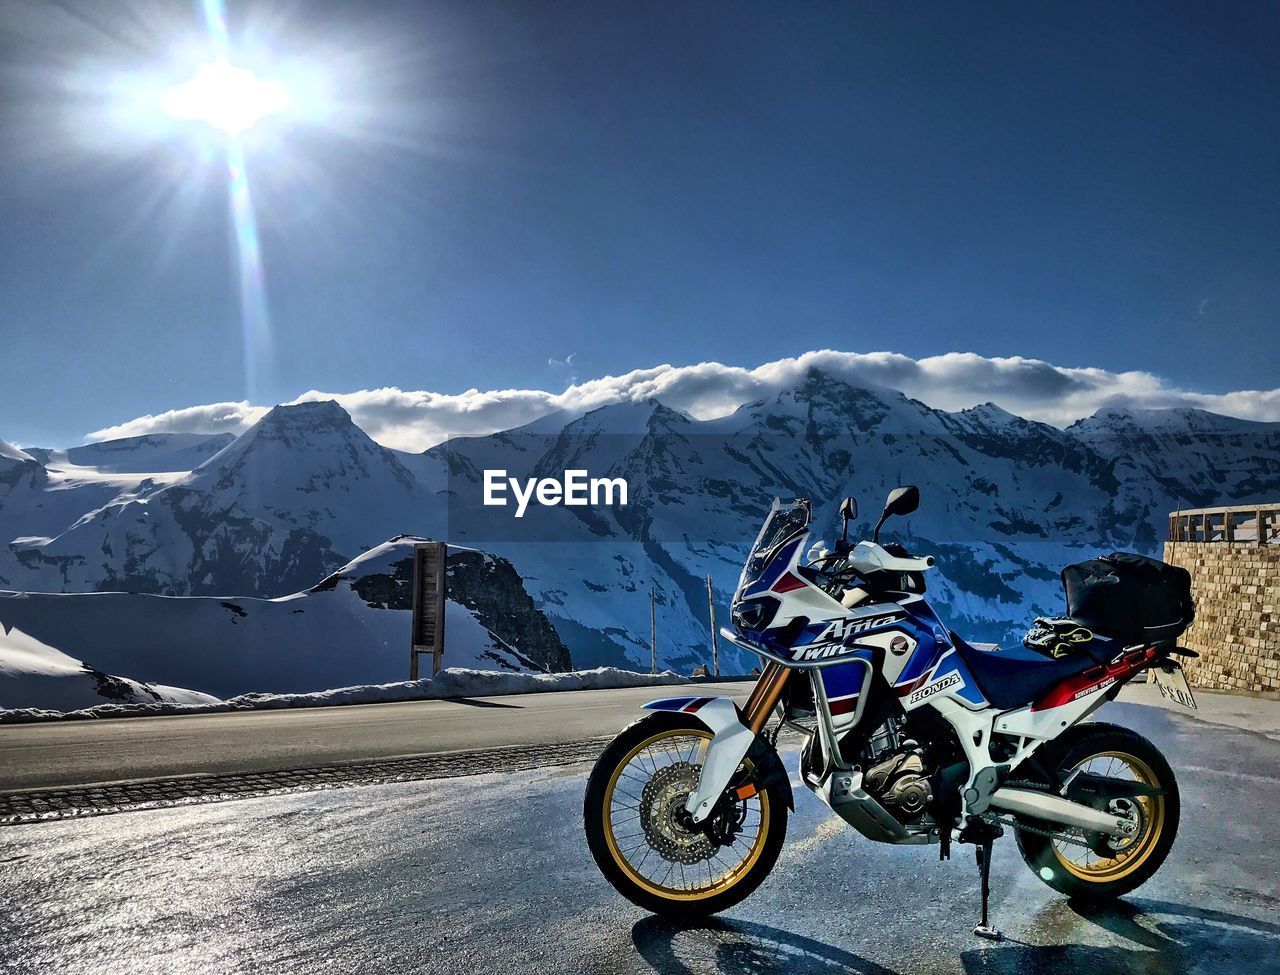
(310, 413)
(627, 418)
(1173, 420)
(989, 417)
(296, 425)
(300, 446)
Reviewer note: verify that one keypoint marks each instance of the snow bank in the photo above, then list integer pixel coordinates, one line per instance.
(454, 682)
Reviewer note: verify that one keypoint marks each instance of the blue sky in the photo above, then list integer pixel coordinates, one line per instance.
(1093, 185)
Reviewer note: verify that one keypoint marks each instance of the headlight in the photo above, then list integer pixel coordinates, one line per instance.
(755, 614)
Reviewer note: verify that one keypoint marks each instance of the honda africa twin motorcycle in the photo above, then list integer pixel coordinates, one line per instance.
(912, 735)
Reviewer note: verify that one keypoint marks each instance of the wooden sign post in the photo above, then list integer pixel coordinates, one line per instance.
(653, 635)
(715, 646)
(429, 578)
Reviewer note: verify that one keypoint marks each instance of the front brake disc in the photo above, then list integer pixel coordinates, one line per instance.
(661, 801)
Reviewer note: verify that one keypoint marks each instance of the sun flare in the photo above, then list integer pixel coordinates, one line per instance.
(227, 97)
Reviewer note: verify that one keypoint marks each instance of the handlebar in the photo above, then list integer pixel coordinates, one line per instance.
(895, 563)
(868, 557)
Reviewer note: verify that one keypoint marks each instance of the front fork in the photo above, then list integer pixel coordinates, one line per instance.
(732, 737)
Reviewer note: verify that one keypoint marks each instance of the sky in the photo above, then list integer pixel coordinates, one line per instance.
(493, 188)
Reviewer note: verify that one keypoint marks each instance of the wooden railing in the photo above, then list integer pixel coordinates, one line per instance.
(1242, 523)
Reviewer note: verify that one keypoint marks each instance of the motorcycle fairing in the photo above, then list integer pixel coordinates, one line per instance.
(690, 705)
(949, 677)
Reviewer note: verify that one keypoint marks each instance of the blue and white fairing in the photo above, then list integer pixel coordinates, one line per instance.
(779, 609)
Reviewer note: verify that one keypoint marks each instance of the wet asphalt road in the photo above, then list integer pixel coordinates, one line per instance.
(489, 873)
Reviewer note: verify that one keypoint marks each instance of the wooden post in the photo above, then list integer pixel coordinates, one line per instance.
(653, 634)
(1228, 527)
(715, 645)
(430, 574)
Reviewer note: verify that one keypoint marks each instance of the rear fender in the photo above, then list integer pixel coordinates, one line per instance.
(731, 742)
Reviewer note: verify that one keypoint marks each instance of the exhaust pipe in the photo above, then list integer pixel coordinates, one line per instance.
(1055, 809)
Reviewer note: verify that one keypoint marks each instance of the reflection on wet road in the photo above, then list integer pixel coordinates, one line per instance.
(490, 873)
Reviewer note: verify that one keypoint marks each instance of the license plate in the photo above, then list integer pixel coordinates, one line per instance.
(1173, 684)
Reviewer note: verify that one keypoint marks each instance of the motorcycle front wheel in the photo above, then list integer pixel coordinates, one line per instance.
(631, 814)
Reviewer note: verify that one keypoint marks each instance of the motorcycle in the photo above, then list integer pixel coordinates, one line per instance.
(910, 734)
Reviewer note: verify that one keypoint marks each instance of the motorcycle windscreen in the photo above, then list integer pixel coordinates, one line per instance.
(784, 522)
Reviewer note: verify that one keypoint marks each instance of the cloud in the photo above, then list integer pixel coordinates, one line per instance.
(414, 420)
(212, 418)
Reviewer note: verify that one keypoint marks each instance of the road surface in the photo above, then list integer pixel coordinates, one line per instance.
(489, 873)
(52, 755)
(69, 753)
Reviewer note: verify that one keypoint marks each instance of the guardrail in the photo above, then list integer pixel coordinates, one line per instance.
(1240, 523)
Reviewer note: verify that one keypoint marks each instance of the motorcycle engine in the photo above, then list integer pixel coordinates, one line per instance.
(901, 785)
(896, 774)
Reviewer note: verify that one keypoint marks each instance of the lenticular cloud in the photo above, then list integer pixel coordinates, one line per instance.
(1038, 390)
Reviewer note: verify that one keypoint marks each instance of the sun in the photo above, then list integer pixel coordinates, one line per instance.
(227, 97)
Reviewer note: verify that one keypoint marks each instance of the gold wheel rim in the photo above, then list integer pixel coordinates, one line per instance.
(1129, 858)
(692, 890)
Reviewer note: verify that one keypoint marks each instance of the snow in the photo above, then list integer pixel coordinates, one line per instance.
(1166, 422)
(304, 642)
(9, 452)
(41, 677)
(154, 453)
(449, 683)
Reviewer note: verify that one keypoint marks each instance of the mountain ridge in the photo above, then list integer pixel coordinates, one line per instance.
(1007, 502)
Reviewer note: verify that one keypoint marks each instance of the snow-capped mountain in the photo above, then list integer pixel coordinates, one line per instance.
(351, 628)
(1006, 503)
(299, 493)
(1189, 457)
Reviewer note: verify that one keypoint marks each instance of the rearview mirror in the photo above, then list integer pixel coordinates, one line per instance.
(848, 511)
(902, 500)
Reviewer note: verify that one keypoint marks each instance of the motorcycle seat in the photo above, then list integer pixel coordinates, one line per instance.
(1013, 677)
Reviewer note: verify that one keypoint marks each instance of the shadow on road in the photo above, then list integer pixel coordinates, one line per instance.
(740, 948)
(473, 703)
(1162, 937)
(1159, 937)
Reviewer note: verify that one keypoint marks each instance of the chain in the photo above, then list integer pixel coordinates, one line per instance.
(1071, 838)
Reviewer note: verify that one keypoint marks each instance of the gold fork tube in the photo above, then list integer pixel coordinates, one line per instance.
(764, 696)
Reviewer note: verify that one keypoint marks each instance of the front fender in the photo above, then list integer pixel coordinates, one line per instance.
(731, 742)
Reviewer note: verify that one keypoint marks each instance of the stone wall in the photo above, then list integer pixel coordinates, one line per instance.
(1237, 628)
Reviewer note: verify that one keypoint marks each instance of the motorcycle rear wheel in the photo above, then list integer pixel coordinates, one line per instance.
(1078, 871)
(637, 784)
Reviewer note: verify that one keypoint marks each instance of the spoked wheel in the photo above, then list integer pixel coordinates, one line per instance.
(1093, 865)
(642, 839)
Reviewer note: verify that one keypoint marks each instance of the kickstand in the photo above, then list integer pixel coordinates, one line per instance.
(985, 930)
